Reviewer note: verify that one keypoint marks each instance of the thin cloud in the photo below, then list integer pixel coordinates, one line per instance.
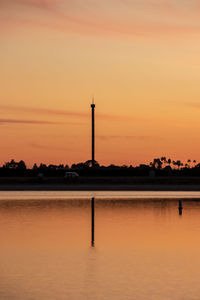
(137, 18)
(66, 113)
(49, 147)
(71, 24)
(45, 111)
(128, 137)
(43, 4)
(36, 122)
(192, 104)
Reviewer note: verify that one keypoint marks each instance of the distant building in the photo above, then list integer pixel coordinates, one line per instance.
(152, 173)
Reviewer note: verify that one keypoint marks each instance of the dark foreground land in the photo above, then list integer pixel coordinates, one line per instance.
(100, 183)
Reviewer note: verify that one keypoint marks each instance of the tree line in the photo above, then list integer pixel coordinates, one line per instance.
(161, 166)
(157, 163)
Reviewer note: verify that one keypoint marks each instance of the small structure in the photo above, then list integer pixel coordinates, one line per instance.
(71, 175)
(152, 173)
(40, 177)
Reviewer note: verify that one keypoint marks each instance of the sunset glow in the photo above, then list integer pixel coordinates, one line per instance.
(139, 58)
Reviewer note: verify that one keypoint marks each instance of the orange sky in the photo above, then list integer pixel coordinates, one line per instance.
(140, 58)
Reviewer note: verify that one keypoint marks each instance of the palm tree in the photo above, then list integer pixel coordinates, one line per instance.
(189, 161)
(174, 163)
(164, 160)
(157, 163)
(178, 163)
(169, 161)
(151, 164)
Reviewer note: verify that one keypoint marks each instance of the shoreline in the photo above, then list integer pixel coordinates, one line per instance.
(98, 187)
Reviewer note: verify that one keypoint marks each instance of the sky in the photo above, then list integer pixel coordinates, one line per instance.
(138, 58)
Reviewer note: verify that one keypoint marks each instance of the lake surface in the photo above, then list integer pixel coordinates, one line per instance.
(122, 245)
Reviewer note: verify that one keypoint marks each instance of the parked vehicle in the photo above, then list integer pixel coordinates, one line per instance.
(71, 175)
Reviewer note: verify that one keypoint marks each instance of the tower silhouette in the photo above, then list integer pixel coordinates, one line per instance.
(93, 132)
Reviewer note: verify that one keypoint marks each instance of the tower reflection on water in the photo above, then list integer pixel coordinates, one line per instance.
(92, 220)
(180, 207)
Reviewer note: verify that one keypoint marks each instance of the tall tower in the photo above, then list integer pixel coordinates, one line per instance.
(93, 132)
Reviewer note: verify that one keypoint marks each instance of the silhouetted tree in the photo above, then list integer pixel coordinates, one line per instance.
(35, 167)
(164, 160)
(178, 163)
(15, 165)
(21, 165)
(189, 161)
(42, 166)
(174, 163)
(157, 163)
(10, 165)
(78, 166)
(89, 164)
(169, 161)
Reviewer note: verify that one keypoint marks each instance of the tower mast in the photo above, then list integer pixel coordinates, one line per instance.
(93, 132)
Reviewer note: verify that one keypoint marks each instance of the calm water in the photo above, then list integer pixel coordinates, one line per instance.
(145, 245)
